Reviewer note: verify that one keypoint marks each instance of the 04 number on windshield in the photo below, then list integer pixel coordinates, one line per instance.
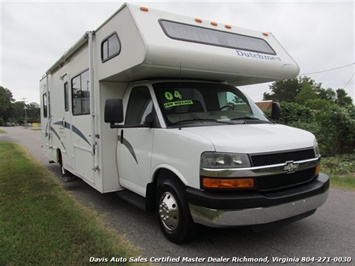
(170, 96)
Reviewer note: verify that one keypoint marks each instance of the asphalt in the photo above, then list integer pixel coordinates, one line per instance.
(326, 237)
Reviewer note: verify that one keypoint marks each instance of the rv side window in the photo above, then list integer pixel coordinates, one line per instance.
(66, 96)
(190, 33)
(45, 105)
(110, 47)
(81, 94)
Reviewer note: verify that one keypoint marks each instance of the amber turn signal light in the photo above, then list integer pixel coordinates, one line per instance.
(317, 169)
(228, 183)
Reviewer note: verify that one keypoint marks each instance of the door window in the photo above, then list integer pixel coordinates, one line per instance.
(66, 96)
(45, 105)
(139, 106)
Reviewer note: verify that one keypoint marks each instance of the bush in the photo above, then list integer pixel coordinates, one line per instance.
(293, 112)
(337, 129)
(333, 126)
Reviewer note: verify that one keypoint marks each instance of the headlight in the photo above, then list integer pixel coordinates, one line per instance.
(316, 150)
(224, 160)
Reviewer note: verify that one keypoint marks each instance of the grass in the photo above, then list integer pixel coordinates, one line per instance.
(2, 131)
(341, 170)
(40, 224)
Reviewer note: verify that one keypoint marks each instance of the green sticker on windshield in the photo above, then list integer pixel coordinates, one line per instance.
(178, 103)
(170, 96)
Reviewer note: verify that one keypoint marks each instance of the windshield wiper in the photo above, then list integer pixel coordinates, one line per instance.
(203, 120)
(251, 119)
(245, 118)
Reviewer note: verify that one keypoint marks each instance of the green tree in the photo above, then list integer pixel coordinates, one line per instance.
(326, 94)
(283, 90)
(307, 80)
(336, 133)
(17, 112)
(5, 104)
(343, 99)
(287, 90)
(294, 113)
(328, 114)
(14, 112)
(305, 94)
(317, 104)
(33, 112)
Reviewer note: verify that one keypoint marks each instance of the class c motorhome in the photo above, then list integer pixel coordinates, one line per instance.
(147, 106)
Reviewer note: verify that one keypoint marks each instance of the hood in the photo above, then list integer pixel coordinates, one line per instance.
(255, 138)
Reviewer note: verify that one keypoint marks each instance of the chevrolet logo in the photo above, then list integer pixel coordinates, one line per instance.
(291, 167)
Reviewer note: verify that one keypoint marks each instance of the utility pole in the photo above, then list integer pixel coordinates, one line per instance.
(24, 101)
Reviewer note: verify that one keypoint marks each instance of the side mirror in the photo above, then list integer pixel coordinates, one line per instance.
(113, 112)
(276, 111)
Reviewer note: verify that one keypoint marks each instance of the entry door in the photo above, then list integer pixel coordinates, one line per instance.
(45, 120)
(65, 129)
(136, 143)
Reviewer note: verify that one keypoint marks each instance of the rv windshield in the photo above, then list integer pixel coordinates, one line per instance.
(196, 103)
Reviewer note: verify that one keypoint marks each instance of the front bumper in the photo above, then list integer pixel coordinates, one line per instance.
(239, 209)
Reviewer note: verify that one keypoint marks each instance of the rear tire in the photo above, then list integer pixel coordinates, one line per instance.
(173, 213)
(65, 172)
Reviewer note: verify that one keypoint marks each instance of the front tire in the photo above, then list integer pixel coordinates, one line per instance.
(173, 213)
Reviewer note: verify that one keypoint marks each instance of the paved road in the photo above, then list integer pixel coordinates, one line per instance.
(330, 232)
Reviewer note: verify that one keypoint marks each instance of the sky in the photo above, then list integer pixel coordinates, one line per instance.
(319, 35)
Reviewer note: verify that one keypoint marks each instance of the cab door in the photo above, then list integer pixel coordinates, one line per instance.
(136, 141)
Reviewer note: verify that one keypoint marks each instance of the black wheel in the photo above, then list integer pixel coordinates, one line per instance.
(65, 173)
(173, 213)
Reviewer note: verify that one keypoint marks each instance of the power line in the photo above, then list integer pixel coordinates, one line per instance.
(322, 71)
(349, 80)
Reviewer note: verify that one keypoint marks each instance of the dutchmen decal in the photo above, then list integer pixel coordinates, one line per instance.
(258, 56)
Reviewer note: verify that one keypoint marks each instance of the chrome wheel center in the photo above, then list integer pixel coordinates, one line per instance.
(169, 211)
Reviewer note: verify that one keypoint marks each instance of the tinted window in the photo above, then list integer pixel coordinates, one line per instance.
(110, 47)
(196, 34)
(66, 96)
(139, 106)
(45, 105)
(186, 103)
(81, 94)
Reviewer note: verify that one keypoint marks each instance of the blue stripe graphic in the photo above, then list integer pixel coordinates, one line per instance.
(74, 128)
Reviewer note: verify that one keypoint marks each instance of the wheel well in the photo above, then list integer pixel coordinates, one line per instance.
(158, 178)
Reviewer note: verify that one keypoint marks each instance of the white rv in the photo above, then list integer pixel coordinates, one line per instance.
(147, 106)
